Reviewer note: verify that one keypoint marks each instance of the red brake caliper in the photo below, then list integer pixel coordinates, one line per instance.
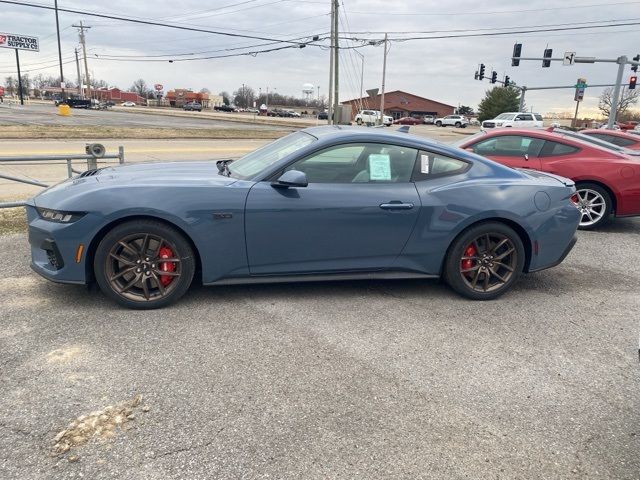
(467, 263)
(166, 252)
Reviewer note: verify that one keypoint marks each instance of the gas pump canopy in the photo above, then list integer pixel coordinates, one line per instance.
(19, 42)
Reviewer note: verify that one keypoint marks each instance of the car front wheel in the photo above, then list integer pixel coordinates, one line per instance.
(458, 124)
(595, 205)
(485, 261)
(438, 124)
(144, 264)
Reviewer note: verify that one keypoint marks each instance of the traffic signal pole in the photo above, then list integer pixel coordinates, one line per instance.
(613, 111)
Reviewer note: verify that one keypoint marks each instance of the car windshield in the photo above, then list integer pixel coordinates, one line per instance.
(464, 140)
(256, 161)
(596, 141)
(504, 116)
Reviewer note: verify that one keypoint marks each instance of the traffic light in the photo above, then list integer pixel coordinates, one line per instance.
(632, 82)
(506, 81)
(476, 76)
(517, 51)
(481, 73)
(494, 76)
(634, 68)
(547, 54)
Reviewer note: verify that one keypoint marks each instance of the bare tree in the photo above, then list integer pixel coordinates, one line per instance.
(10, 84)
(627, 99)
(140, 87)
(205, 90)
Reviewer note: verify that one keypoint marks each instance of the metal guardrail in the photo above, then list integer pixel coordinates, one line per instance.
(94, 152)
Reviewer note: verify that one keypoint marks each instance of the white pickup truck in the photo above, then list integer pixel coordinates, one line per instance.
(372, 117)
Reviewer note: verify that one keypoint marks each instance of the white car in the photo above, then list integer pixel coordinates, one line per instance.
(515, 119)
(458, 121)
(369, 117)
(128, 104)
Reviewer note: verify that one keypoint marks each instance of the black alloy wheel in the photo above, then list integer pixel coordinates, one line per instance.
(485, 261)
(144, 264)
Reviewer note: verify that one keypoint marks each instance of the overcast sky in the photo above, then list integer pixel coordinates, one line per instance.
(440, 69)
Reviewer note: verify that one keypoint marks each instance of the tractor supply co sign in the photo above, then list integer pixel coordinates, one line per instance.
(20, 42)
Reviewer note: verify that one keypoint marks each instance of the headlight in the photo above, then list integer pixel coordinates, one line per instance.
(59, 216)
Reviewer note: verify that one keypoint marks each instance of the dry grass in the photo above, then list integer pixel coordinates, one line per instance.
(12, 220)
(61, 132)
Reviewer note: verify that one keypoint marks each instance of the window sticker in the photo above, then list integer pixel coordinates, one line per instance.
(424, 164)
(379, 167)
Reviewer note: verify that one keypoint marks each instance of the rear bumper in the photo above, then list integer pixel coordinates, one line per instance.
(562, 256)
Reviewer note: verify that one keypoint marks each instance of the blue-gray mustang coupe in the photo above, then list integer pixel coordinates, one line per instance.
(325, 203)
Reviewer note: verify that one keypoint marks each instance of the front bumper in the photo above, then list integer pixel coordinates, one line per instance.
(54, 246)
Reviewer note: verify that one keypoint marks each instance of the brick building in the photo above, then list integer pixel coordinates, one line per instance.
(180, 96)
(117, 96)
(399, 104)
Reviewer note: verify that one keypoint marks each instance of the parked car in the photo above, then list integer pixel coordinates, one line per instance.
(224, 108)
(372, 117)
(457, 121)
(390, 205)
(408, 121)
(128, 104)
(606, 180)
(74, 102)
(515, 119)
(595, 141)
(624, 139)
(428, 119)
(630, 125)
(192, 106)
(323, 115)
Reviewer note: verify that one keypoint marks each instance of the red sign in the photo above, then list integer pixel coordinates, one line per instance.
(3, 39)
(1, 91)
(158, 87)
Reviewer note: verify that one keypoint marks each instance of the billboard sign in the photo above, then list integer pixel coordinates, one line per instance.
(20, 42)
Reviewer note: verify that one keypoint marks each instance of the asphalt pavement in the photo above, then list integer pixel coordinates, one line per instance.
(398, 379)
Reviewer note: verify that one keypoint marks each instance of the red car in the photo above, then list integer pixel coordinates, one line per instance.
(606, 181)
(408, 121)
(627, 125)
(617, 137)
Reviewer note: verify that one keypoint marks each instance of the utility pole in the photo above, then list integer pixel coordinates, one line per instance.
(79, 76)
(384, 74)
(64, 95)
(613, 113)
(331, 54)
(19, 78)
(82, 28)
(336, 59)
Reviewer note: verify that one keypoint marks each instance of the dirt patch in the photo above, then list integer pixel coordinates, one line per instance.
(12, 220)
(87, 132)
(100, 425)
(63, 355)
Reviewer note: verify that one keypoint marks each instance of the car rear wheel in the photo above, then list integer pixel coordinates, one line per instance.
(438, 124)
(595, 205)
(485, 261)
(359, 121)
(144, 264)
(458, 124)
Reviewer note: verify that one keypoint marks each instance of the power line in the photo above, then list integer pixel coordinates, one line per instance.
(149, 22)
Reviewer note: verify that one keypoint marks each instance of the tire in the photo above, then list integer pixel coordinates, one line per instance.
(438, 124)
(359, 121)
(479, 273)
(458, 124)
(144, 278)
(595, 205)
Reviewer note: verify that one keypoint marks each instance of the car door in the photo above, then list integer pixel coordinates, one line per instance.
(356, 213)
(517, 151)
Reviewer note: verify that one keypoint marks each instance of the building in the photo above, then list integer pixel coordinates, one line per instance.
(117, 96)
(399, 104)
(180, 96)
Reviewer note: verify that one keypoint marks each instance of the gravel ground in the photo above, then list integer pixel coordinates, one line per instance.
(344, 380)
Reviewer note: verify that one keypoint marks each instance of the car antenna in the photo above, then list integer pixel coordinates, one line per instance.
(403, 129)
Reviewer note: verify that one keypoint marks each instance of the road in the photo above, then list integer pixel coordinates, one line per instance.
(46, 114)
(398, 379)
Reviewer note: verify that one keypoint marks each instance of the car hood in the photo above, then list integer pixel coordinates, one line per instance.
(135, 175)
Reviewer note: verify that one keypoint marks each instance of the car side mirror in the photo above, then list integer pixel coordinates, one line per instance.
(291, 178)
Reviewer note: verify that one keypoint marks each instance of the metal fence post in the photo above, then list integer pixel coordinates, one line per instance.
(69, 168)
(121, 154)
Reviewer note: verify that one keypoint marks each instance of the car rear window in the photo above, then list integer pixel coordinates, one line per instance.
(553, 149)
(538, 117)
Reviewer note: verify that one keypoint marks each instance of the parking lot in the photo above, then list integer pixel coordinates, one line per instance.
(398, 379)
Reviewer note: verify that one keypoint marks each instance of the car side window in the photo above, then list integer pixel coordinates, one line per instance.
(538, 117)
(431, 165)
(526, 117)
(509, 146)
(554, 149)
(359, 163)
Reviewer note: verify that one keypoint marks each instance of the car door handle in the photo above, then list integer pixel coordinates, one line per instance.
(396, 205)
